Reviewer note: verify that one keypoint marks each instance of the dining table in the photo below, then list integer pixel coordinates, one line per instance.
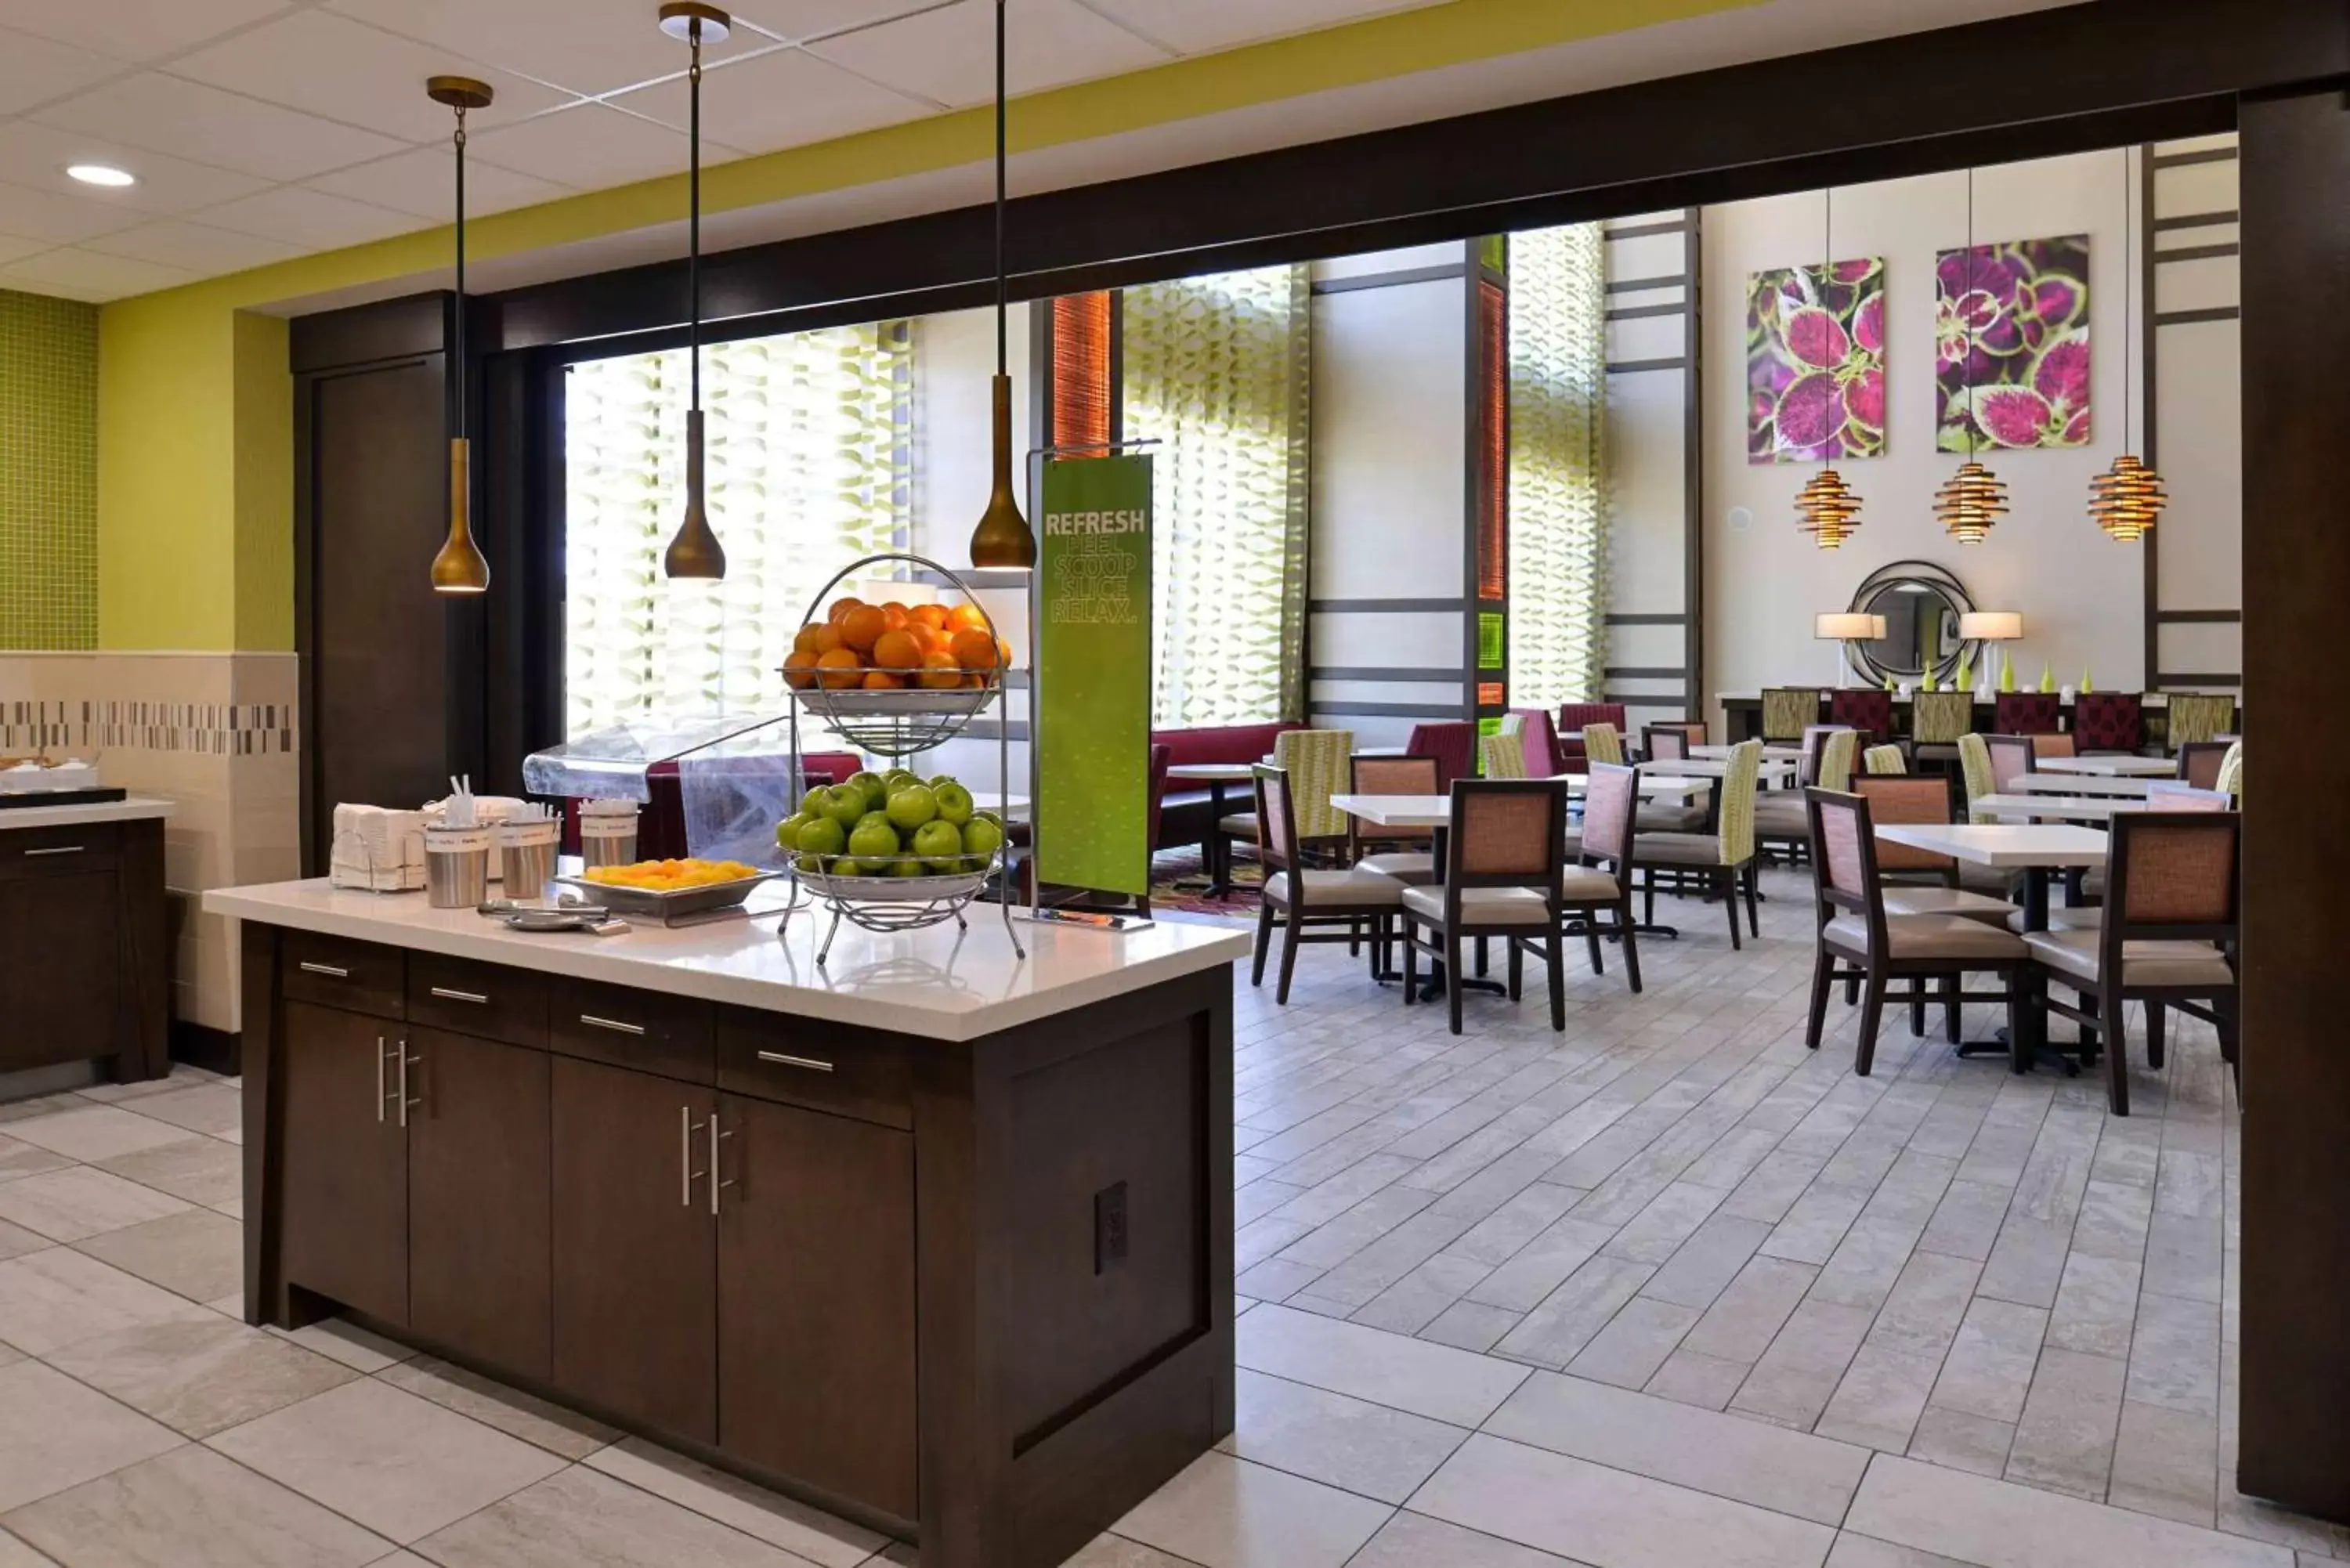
(1771, 753)
(2079, 785)
(2109, 766)
(1215, 850)
(2056, 807)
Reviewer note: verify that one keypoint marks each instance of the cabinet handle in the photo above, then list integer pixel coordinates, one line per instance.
(715, 1136)
(614, 1025)
(406, 1062)
(379, 1080)
(475, 997)
(61, 849)
(329, 970)
(686, 1175)
(781, 1060)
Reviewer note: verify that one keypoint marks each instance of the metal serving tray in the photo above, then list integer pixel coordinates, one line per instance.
(668, 906)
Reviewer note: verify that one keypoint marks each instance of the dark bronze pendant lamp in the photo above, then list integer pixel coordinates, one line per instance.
(459, 567)
(695, 552)
(1002, 538)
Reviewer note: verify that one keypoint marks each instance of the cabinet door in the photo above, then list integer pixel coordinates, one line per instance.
(635, 1249)
(62, 981)
(346, 1201)
(816, 1300)
(477, 1197)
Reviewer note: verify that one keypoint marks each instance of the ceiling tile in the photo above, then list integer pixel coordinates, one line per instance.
(424, 182)
(86, 274)
(950, 55)
(802, 19)
(37, 156)
(590, 146)
(783, 99)
(134, 29)
(198, 247)
(311, 220)
(1198, 26)
(587, 45)
(168, 114)
(34, 70)
(345, 70)
(14, 247)
(59, 218)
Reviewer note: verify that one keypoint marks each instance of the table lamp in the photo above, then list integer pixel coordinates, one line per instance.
(1847, 627)
(1990, 625)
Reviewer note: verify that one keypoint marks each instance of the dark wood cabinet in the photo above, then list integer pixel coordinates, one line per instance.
(478, 1225)
(59, 988)
(816, 1300)
(345, 1225)
(634, 1271)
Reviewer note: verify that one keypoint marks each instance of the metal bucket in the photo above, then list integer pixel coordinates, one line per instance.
(608, 832)
(456, 866)
(526, 857)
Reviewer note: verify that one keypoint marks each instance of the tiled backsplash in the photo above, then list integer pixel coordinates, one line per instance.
(79, 726)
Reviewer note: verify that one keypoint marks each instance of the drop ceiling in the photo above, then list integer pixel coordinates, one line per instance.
(264, 130)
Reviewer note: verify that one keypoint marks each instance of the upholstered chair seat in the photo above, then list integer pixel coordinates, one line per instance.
(2149, 963)
(1909, 937)
(1908, 900)
(1353, 887)
(1403, 864)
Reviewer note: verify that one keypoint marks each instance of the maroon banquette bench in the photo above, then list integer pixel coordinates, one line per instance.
(1184, 812)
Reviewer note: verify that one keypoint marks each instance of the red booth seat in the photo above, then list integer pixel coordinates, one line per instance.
(1184, 815)
(1575, 716)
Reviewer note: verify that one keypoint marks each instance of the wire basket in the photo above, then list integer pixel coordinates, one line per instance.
(896, 724)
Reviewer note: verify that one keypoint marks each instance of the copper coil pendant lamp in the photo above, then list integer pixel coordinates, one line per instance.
(1827, 509)
(1971, 502)
(2125, 499)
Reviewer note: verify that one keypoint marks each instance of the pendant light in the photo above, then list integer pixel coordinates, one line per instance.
(695, 552)
(460, 566)
(2125, 499)
(1974, 499)
(1827, 509)
(1002, 538)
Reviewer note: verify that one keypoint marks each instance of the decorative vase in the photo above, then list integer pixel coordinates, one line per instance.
(2047, 676)
(2006, 671)
(1927, 683)
(1965, 680)
(2084, 679)
(1889, 684)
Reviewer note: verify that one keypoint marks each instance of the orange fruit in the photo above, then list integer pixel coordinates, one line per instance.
(818, 639)
(841, 606)
(1003, 647)
(898, 651)
(940, 672)
(928, 615)
(861, 627)
(897, 613)
(977, 681)
(838, 669)
(967, 617)
(974, 650)
(806, 639)
(882, 680)
(799, 669)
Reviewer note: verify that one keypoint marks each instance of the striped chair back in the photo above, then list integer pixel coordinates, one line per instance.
(1315, 762)
(1883, 761)
(1503, 756)
(1939, 718)
(1604, 744)
(1787, 711)
(2200, 716)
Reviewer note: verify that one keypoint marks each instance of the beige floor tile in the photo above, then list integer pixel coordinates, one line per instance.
(1591, 1514)
(200, 1170)
(15, 1553)
(2001, 1525)
(16, 1241)
(193, 1508)
(582, 1519)
(401, 1466)
(510, 1410)
(2165, 1461)
(12, 1111)
(19, 1159)
(1223, 1512)
(200, 1375)
(348, 1343)
(77, 1201)
(1727, 1456)
(1707, 1382)
(1415, 1540)
(195, 1253)
(1432, 1380)
(1860, 1552)
(87, 1132)
(1347, 1443)
(755, 1511)
(55, 1434)
(2065, 1441)
(214, 1108)
(54, 1299)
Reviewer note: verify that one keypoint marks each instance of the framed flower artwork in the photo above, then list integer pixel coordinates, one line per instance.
(2012, 341)
(1815, 362)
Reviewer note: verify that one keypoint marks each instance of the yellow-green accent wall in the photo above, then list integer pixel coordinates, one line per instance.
(48, 472)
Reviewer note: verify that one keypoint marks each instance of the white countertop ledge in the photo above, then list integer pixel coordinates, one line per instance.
(137, 808)
(923, 982)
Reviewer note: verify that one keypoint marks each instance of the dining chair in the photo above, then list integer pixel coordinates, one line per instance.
(2109, 720)
(1572, 717)
(1502, 756)
(1975, 773)
(1504, 874)
(1665, 743)
(2169, 939)
(2198, 716)
(1453, 744)
(2200, 762)
(1599, 878)
(1868, 709)
(2012, 757)
(1402, 852)
(1781, 816)
(1723, 860)
(2027, 713)
(2169, 795)
(1884, 761)
(1316, 761)
(1788, 710)
(1858, 939)
(1541, 741)
(1603, 744)
(2231, 770)
(2053, 743)
(1311, 906)
(1919, 881)
(1937, 720)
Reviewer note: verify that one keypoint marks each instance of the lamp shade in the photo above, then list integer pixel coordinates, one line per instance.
(1847, 626)
(1990, 625)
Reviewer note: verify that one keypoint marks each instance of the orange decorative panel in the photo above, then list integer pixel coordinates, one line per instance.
(1493, 443)
(1490, 694)
(1081, 389)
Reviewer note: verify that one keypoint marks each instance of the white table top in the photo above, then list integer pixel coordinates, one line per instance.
(1770, 767)
(136, 809)
(1213, 773)
(2079, 785)
(1770, 754)
(1436, 810)
(2117, 766)
(2004, 846)
(2063, 807)
(923, 982)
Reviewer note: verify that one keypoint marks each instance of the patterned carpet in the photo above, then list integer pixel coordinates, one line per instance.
(1179, 881)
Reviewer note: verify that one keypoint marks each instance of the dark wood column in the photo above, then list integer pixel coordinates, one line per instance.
(2295, 1444)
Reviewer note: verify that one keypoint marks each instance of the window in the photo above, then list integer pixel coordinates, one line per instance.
(808, 467)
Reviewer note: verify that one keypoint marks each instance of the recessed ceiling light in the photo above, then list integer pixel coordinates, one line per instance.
(101, 175)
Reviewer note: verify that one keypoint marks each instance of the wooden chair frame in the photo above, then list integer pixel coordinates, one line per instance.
(1582, 914)
(1444, 943)
(1301, 924)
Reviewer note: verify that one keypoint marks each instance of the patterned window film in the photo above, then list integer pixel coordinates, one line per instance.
(1217, 370)
(1557, 472)
(809, 466)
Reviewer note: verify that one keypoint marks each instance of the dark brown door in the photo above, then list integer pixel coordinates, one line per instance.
(635, 1251)
(62, 981)
(346, 1234)
(816, 1300)
(477, 1198)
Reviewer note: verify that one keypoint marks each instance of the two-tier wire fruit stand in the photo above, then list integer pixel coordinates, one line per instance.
(896, 723)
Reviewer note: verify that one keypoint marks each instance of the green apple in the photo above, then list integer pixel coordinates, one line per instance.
(874, 839)
(941, 843)
(810, 864)
(938, 779)
(912, 807)
(955, 802)
(845, 803)
(983, 835)
(909, 866)
(823, 838)
(787, 832)
(899, 778)
(812, 803)
(875, 791)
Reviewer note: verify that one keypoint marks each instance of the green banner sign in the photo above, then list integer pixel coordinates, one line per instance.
(1092, 702)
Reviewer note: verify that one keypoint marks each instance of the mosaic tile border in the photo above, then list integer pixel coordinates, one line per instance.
(205, 728)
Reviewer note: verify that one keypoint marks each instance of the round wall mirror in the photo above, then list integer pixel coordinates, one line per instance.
(1921, 604)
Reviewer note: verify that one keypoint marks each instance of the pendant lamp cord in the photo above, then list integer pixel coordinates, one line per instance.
(1003, 290)
(461, 270)
(1973, 414)
(1827, 278)
(693, 216)
(2129, 257)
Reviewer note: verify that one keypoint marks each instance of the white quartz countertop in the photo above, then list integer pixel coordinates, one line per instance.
(134, 809)
(923, 982)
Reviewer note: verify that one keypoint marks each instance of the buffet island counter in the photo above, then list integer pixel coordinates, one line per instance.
(85, 933)
(931, 1235)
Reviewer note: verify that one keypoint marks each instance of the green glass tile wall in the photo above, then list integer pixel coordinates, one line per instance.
(48, 472)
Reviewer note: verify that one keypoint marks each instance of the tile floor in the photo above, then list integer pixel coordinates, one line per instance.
(1667, 1291)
